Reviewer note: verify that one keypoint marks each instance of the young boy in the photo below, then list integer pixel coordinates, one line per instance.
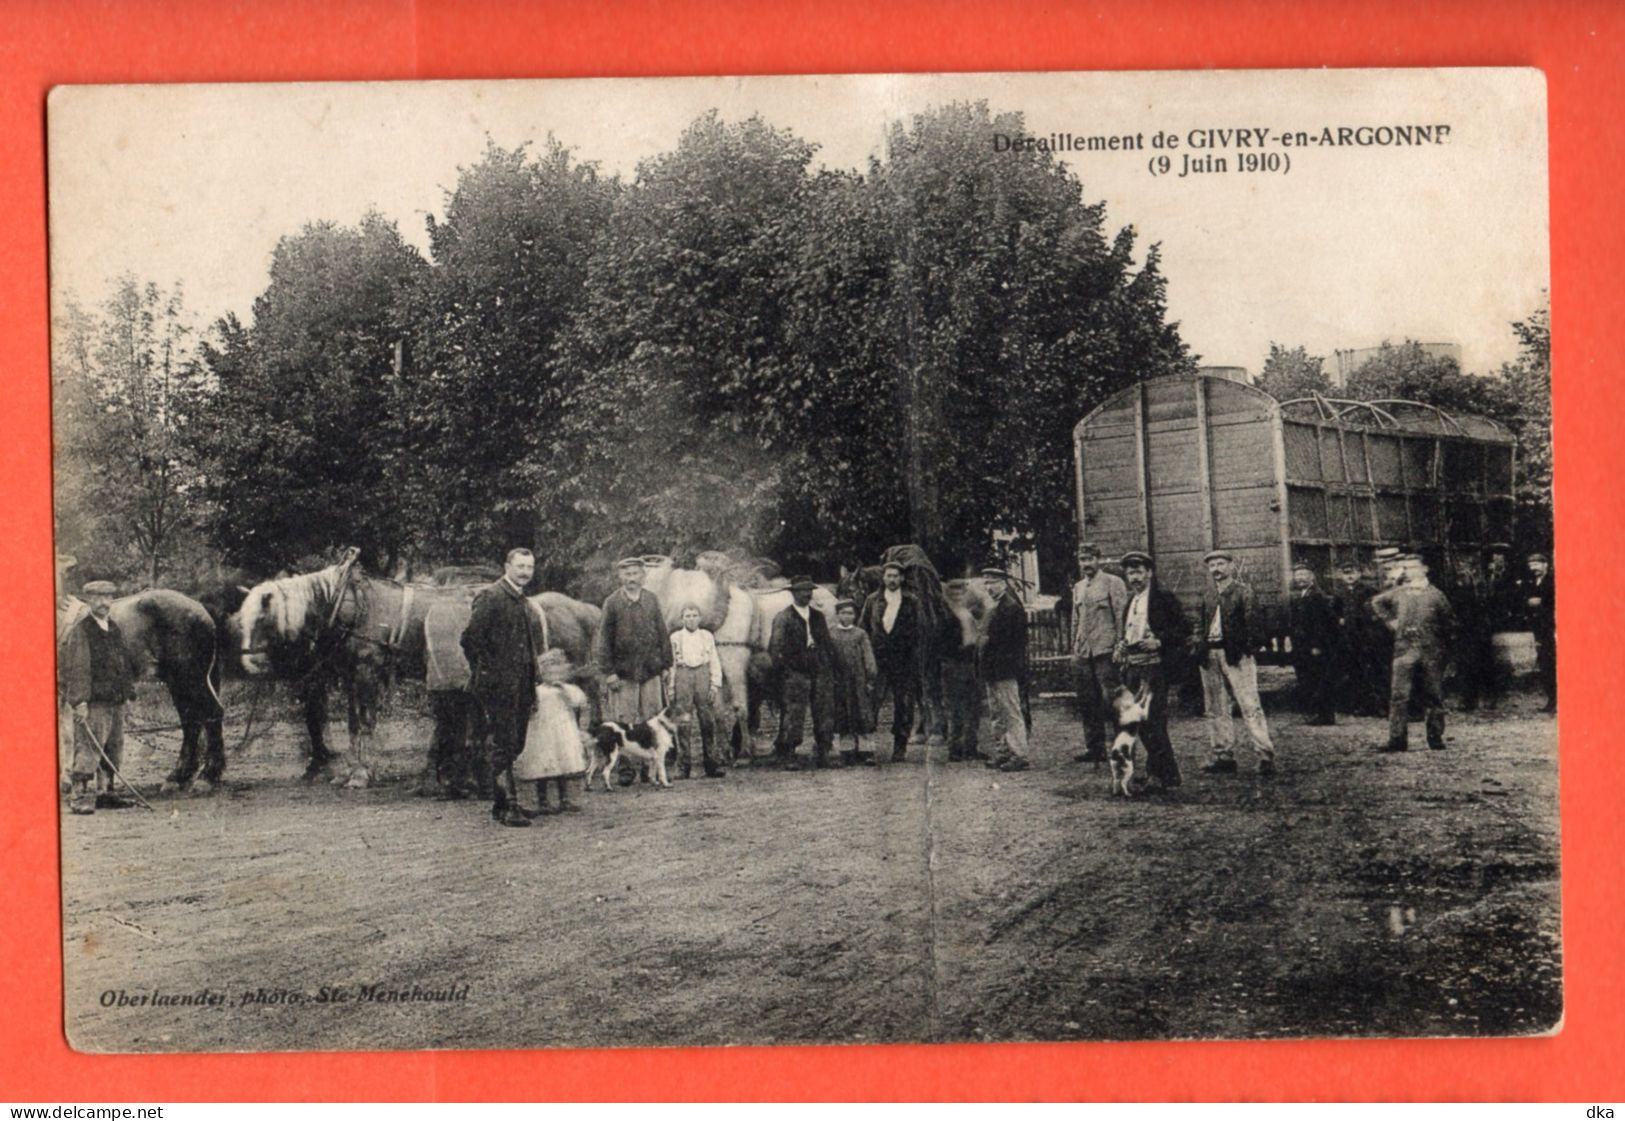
(855, 674)
(696, 686)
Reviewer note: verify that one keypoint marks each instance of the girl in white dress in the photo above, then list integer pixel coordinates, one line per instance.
(553, 741)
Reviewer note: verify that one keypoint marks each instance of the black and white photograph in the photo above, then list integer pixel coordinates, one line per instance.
(863, 559)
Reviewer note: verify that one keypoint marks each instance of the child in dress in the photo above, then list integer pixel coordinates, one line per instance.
(855, 675)
(553, 741)
(695, 687)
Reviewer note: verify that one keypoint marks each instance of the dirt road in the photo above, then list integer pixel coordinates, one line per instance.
(1352, 894)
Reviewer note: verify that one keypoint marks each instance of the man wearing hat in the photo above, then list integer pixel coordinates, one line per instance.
(1360, 677)
(1419, 617)
(1540, 607)
(98, 678)
(1003, 665)
(1475, 610)
(804, 656)
(1313, 629)
(1230, 631)
(503, 642)
(891, 617)
(1155, 631)
(1098, 602)
(632, 649)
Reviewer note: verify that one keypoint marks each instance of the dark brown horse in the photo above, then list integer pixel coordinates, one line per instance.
(172, 638)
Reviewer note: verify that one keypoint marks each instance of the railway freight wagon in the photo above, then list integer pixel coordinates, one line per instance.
(1185, 464)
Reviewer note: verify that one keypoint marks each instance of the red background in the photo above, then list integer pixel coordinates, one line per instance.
(1578, 45)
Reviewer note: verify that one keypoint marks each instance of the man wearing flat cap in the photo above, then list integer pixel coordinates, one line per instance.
(503, 643)
(632, 648)
(1312, 625)
(1155, 632)
(891, 616)
(804, 656)
(1003, 666)
(1098, 602)
(1230, 631)
(98, 678)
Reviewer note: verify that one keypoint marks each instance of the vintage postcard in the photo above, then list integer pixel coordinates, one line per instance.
(853, 559)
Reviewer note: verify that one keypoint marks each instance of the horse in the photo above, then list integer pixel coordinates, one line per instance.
(172, 637)
(919, 577)
(337, 623)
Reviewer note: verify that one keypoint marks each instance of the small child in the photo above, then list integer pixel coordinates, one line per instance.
(696, 686)
(855, 675)
(553, 741)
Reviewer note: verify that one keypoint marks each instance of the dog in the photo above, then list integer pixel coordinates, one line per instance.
(1132, 709)
(647, 743)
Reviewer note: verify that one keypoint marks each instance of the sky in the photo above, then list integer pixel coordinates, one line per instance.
(1442, 242)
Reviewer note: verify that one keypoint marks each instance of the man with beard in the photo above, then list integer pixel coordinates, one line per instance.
(892, 619)
(632, 648)
(1098, 602)
(1155, 631)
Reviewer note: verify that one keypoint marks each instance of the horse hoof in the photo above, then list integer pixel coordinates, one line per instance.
(202, 787)
(358, 779)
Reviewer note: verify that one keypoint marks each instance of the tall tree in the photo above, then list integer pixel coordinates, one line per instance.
(129, 389)
(300, 446)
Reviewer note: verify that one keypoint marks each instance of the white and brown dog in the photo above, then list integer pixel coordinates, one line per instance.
(647, 744)
(1132, 710)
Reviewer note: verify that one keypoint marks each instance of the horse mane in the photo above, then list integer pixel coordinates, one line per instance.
(304, 595)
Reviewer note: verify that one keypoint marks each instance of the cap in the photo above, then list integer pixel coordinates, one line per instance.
(891, 564)
(1349, 566)
(100, 588)
(1134, 556)
(1217, 554)
(995, 570)
(1088, 549)
(802, 583)
(1497, 547)
(629, 562)
(1302, 567)
(1532, 556)
(840, 603)
(1391, 553)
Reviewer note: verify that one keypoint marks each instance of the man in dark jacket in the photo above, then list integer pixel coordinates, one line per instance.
(632, 648)
(1360, 674)
(1003, 666)
(1313, 628)
(1540, 609)
(1228, 634)
(503, 643)
(802, 653)
(892, 618)
(98, 678)
(1475, 611)
(1155, 632)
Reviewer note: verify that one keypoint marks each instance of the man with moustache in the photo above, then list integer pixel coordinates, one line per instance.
(1098, 603)
(1155, 631)
(892, 619)
(1540, 606)
(1313, 629)
(1423, 625)
(98, 679)
(1230, 632)
(503, 643)
(805, 658)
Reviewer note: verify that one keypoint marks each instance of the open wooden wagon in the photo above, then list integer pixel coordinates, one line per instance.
(1185, 464)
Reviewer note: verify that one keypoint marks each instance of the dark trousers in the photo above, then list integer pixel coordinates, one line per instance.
(1546, 666)
(899, 677)
(1314, 684)
(1362, 672)
(457, 751)
(962, 704)
(507, 713)
(1096, 681)
(1421, 670)
(1477, 672)
(803, 691)
(1159, 750)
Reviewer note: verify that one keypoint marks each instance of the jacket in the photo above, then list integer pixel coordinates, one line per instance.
(1419, 616)
(96, 664)
(1004, 646)
(788, 643)
(1165, 619)
(905, 632)
(1099, 606)
(1313, 623)
(1542, 616)
(1241, 632)
(632, 640)
(502, 641)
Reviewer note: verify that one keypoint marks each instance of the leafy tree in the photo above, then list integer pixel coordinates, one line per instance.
(299, 450)
(129, 390)
(1293, 372)
(481, 395)
(1528, 381)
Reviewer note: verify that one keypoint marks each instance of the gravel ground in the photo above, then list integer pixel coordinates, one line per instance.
(1352, 894)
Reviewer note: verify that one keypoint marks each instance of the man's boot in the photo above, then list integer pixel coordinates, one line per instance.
(899, 748)
(82, 800)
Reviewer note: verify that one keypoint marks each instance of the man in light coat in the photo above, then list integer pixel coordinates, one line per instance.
(1099, 600)
(1227, 635)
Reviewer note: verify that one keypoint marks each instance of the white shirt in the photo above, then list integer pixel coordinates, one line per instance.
(100, 622)
(806, 617)
(1134, 626)
(894, 600)
(1215, 633)
(696, 648)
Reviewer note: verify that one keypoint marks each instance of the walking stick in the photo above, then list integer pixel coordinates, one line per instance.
(109, 763)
